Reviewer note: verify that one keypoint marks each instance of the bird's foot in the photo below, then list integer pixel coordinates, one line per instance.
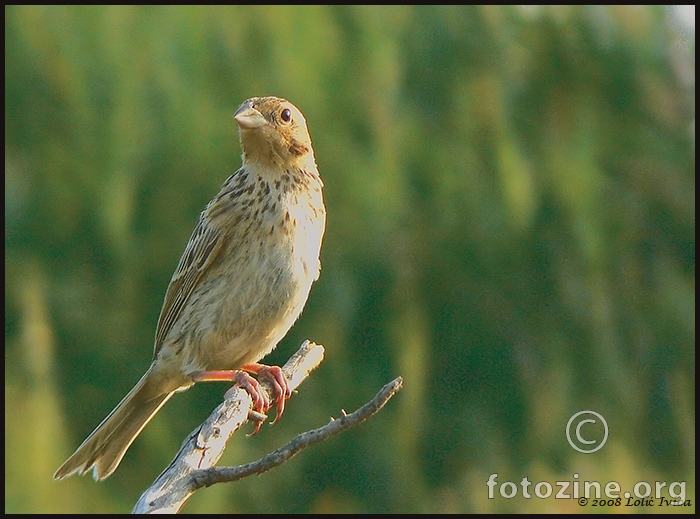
(261, 403)
(277, 379)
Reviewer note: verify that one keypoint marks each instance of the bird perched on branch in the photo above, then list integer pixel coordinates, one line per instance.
(241, 282)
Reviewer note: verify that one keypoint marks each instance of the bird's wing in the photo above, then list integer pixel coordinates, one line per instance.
(202, 249)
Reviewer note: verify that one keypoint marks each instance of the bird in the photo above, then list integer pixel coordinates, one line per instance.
(241, 283)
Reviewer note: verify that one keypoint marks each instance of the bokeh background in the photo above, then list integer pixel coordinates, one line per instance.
(511, 228)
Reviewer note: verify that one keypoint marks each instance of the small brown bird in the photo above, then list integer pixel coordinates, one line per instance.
(241, 283)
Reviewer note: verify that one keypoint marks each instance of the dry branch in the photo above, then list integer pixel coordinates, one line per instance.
(207, 477)
(205, 445)
(193, 467)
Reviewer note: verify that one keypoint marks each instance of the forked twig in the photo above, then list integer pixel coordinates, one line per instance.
(194, 465)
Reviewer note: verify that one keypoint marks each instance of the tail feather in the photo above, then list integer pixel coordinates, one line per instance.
(105, 447)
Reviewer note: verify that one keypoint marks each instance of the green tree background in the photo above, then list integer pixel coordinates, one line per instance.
(511, 228)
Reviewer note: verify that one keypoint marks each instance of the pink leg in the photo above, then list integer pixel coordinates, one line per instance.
(276, 377)
(241, 379)
(261, 403)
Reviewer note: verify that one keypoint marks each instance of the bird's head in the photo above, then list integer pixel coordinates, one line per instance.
(274, 134)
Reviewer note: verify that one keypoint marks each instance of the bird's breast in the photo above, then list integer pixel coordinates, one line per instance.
(264, 273)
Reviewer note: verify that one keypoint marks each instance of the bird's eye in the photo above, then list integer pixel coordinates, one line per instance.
(286, 115)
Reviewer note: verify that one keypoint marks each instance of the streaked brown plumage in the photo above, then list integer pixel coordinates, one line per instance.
(241, 282)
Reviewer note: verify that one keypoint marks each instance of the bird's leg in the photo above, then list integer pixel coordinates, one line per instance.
(241, 379)
(277, 379)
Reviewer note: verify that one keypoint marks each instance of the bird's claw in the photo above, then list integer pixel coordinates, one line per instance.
(280, 387)
(261, 402)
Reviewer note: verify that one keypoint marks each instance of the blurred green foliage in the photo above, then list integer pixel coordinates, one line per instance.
(511, 228)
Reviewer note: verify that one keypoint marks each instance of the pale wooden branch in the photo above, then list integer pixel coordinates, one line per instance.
(205, 445)
(210, 476)
(193, 467)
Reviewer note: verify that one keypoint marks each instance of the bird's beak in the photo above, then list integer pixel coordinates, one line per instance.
(248, 118)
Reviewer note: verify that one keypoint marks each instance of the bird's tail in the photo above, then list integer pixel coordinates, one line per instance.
(106, 446)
